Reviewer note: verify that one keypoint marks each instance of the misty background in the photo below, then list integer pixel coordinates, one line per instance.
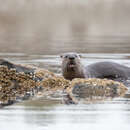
(56, 26)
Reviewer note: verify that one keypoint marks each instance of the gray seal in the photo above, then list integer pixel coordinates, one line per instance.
(73, 68)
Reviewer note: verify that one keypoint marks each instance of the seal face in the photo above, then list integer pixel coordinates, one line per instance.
(71, 66)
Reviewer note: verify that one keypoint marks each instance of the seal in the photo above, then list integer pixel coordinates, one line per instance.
(73, 68)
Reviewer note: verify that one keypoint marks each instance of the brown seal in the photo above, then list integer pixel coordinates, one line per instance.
(73, 68)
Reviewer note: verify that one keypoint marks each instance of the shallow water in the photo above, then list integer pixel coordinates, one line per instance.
(46, 113)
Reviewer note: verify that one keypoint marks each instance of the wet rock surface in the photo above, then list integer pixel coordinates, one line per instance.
(86, 90)
(19, 83)
(16, 84)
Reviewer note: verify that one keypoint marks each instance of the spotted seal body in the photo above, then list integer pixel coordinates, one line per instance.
(73, 68)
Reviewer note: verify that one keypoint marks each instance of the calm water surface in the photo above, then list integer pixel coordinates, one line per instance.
(57, 26)
(49, 113)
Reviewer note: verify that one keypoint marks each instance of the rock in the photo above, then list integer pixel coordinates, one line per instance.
(19, 68)
(19, 82)
(55, 83)
(16, 86)
(43, 74)
(86, 90)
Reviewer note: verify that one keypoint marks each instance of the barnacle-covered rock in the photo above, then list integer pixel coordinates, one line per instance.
(55, 83)
(20, 82)
(43, 73)
(15, 86)
(86, 90)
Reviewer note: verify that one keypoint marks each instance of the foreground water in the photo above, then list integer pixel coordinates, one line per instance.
(49, 113)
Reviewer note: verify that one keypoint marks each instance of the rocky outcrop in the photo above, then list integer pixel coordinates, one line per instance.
(19, 82)
(91, 90)
(85, 90)
(17, 86)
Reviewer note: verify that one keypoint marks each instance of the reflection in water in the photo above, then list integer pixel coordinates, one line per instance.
(113, 115)
(49, 114)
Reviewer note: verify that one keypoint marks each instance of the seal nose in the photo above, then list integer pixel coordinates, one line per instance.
(71, 57)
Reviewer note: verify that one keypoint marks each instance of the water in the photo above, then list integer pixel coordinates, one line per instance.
(56, 26)
(35, 32)
(47, 113)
